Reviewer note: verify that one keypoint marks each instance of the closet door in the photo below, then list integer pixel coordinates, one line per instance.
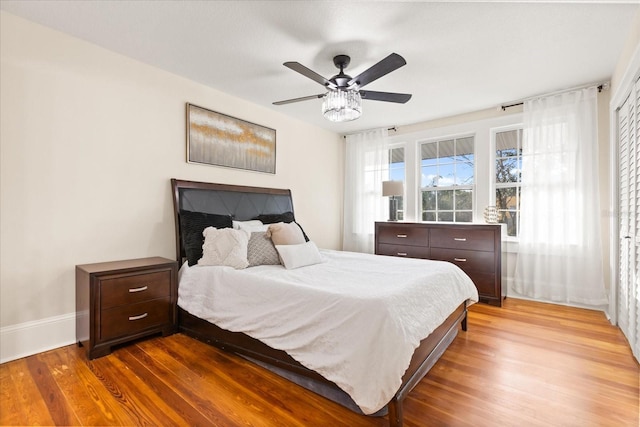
(629, 218)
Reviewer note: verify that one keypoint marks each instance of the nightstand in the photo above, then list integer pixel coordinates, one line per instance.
(120, 301)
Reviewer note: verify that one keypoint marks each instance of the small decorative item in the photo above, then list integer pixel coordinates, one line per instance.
(392, 189)
(491, 214)
(220, 140)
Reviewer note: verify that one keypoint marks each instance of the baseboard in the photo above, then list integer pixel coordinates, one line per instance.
(26, 339)
(509, 282)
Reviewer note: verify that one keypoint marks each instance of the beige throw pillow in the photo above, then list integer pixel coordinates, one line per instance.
(225, 246)
(282, 233)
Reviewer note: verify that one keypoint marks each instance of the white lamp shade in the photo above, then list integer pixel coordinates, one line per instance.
(392, 188)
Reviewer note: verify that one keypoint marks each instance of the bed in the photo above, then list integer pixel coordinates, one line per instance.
(307, 368)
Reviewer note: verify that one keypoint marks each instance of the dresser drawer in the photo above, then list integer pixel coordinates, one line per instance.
(485, 283)
(403, 235)
(129, 319)
(469, 261)
(134, 288)
(477, 240)
(404, 251)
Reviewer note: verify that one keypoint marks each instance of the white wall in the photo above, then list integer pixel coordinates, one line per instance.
(629, 51)
(89, 141)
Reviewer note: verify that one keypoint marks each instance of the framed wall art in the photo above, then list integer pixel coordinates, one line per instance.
(217, 139)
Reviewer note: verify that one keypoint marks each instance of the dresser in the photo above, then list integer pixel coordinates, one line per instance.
(475, 248)
(120, 301)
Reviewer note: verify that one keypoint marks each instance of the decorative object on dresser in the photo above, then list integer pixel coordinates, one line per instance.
(491, 215)
(392, 189)
(121, 301)
(475, 248)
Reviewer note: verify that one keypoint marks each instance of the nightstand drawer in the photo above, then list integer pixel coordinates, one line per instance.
(401, 235)
(134, 288)
(469, 261)
(129, 319)
(477, 240)
(404, 251)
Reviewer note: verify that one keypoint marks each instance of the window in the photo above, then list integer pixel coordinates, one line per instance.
(447, 180)
(508, 168)
(397, 173)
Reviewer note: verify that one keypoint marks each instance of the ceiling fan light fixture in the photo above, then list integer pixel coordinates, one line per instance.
(342, 105)
(343, 101)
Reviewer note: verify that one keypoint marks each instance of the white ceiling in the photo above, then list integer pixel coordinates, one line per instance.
(461, 56)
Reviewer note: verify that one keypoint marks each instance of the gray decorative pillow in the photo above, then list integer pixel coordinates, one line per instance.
(261, 250)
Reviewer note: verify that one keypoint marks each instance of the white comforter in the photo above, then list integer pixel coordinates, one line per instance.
(355, 318)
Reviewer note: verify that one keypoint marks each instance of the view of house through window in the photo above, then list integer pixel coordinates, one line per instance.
(447, 180)
(397, 173)
(508, 168)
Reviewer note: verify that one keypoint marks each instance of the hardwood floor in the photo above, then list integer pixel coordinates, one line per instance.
(525, 364)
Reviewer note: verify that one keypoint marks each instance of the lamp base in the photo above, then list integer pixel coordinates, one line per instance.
(393, 209)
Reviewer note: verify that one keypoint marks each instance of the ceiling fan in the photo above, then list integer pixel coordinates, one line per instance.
(342, 101)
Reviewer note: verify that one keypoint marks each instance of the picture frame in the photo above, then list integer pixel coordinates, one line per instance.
(218, 139)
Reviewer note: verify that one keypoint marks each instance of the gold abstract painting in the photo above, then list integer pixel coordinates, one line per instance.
(217, 139)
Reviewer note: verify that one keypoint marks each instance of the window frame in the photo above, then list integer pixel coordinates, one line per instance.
(453, 187)
(493, 185)
(480, 126)
(402, 200)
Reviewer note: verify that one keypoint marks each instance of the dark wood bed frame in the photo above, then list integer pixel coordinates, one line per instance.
(235, 200)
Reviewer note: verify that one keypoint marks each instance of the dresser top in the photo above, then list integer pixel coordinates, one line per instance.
(438, 224)
(129, 264)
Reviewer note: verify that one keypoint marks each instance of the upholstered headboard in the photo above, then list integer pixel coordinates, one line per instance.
(240, 202)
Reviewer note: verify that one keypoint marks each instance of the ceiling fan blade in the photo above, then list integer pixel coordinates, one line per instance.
(387, 65)
(296, 66)
(400, 98)
(304, 98)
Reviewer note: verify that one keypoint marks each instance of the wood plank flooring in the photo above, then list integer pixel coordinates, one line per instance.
(525, 364)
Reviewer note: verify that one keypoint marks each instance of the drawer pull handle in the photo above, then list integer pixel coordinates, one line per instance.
(402, 254)
(460, 239)
(460, 259)
(141, 316)
(401, 236)
(140, 289)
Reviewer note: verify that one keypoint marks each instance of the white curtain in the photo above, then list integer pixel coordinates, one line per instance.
(560, 251)
(366, 166)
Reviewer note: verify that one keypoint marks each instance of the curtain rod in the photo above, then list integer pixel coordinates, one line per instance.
(393, 128)
(600, 87)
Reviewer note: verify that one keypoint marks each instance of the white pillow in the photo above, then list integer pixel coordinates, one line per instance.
(295, 256)
(225, 246)
(250, 226)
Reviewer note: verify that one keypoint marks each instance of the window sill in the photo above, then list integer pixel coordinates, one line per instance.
(510, 245)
